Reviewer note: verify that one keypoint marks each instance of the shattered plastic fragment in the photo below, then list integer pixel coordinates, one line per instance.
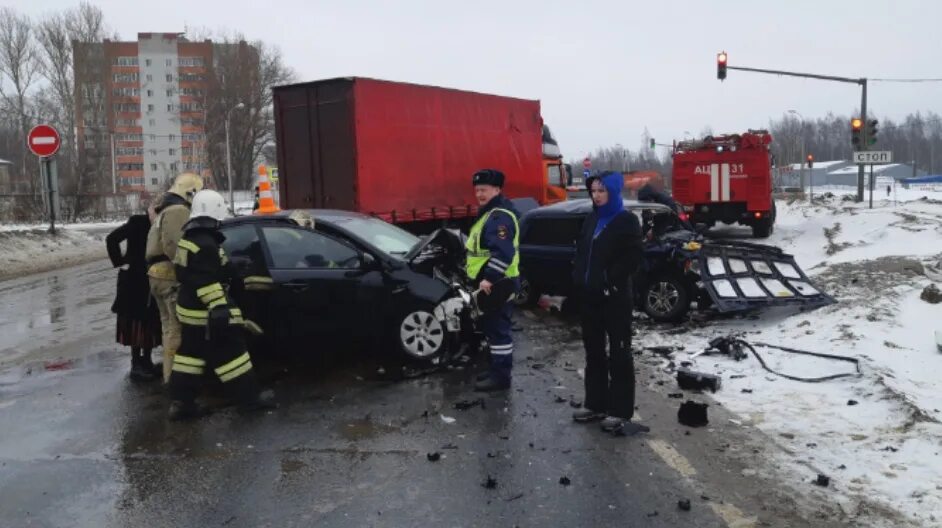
(684, 504)
(434, 457)
(564, 481)
(823, 481)
(490, 483)
(448, 419)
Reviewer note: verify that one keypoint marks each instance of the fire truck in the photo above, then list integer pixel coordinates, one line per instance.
(726, 179)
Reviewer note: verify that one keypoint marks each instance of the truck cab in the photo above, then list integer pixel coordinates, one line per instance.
(556, 174)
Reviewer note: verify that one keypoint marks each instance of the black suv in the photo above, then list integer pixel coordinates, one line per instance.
(664, 286)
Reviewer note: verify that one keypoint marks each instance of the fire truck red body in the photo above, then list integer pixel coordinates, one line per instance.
(726, 179)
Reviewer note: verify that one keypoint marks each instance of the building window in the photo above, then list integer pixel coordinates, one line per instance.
(169, 93)
(125, 92)
(191, 61)
(146, 62)
(127, 107)
(173, 167)
(150, 77)
(172, 152)
(170, 108)
(152, 122)
(153, 181)
(169, 77)
(172, 137)
(124, 61)
(192, 137)
(124, 77)
(150, 93)
(150, 108)
(169, 62)
(152, 137)
(153, 166)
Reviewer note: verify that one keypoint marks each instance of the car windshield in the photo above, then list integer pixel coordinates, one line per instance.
(385, 236)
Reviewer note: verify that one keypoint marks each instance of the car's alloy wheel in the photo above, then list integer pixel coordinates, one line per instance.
(663, 297)
(420, 334)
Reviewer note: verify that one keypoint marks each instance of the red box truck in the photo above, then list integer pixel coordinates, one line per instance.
(406, 152)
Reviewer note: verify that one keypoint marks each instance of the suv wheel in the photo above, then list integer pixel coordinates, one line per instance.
(419, 334)
(666, 298)
(529, 294)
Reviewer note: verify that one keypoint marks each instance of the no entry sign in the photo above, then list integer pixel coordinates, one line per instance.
(43, 140)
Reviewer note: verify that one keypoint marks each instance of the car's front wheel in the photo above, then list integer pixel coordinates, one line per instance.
(419, 334)
(666, 298)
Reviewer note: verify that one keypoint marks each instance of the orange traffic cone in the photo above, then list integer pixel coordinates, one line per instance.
(266, 202)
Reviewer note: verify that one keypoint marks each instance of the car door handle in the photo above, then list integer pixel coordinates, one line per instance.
(297, 286)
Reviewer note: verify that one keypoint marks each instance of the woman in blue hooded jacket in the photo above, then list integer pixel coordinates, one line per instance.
(608, 253)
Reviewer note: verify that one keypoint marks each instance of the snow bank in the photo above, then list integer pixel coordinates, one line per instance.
(885, 445)
(31, 249)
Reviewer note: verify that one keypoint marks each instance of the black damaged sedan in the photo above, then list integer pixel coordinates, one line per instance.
(351, 279)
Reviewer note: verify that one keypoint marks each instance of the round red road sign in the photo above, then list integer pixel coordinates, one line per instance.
(43, 140)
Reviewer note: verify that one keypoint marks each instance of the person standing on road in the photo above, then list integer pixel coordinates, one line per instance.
(493, 263)
(162, 239)
(213, 329)
(138, 324)
(608, 252)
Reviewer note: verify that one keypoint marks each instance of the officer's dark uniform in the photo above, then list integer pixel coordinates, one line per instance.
(212, 332)
(492, 255)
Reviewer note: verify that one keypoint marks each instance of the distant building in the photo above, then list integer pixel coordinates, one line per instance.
(141, 109)
(836, 172)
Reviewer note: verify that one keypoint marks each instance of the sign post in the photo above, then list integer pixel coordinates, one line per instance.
(872, 157)
(44, 141)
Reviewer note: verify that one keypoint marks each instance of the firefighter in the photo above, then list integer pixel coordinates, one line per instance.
(162, 239)
(492, 263)
(213, 338)
(654, 191)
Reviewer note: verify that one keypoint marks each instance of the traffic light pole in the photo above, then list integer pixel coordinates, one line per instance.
(863, 106)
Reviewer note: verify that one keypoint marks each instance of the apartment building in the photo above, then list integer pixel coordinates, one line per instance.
(141, 110)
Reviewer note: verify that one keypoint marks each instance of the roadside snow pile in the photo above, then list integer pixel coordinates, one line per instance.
(879, 436)
(31, 249)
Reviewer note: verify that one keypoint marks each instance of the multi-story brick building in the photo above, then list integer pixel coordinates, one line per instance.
(141, 110)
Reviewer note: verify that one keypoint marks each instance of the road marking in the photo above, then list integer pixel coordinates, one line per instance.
(733, 516)
(672, 458)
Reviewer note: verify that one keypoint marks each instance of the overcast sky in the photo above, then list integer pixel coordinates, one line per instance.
(604, 70)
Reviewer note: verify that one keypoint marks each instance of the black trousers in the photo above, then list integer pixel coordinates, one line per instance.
(609, 374)
(224, 356)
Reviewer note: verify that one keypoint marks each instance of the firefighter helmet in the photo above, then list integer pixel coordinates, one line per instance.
(209, 203)
(186, 185)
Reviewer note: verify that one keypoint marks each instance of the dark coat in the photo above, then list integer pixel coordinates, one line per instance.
(605, 262)
(133, 292)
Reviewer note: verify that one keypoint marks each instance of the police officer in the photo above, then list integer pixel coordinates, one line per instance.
(165, 232)
(212, 326)
(493, 263)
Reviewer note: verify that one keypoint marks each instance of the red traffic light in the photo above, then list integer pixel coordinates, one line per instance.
(810, 157)
(856, 123)
(721, 57)
(721, 65)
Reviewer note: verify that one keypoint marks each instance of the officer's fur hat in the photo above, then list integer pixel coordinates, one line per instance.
(488, 177)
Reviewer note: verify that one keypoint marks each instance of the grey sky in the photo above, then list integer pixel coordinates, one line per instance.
(604, 70)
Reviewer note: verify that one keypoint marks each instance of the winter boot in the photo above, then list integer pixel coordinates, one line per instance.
(587, 415)
(180, 411)
(264, 401)
(491, 384)
(139, 372)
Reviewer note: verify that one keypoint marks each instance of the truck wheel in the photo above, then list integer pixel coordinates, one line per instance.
(666, 298)
(529, 294)
(763, 229)
(419, 334)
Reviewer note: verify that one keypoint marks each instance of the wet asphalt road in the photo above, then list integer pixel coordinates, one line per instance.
(83, 446)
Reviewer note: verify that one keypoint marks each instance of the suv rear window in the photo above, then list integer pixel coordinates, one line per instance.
(553, 231)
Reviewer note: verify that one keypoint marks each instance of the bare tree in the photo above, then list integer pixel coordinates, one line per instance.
(242, 73)
(19, 70)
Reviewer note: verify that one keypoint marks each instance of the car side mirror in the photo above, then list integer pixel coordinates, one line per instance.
(368, 262)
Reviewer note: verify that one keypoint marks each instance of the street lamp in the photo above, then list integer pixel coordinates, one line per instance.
(229, 158)
(801, 160)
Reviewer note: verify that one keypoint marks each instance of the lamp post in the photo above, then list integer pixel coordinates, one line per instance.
(229, 158)
(801, 161)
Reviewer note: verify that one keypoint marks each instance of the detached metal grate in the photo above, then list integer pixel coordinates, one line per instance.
(742, 276)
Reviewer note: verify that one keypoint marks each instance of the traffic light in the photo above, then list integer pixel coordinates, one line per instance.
(652, 143)
(872, 131)
(856, 126)
(721, 65)
(810, 161)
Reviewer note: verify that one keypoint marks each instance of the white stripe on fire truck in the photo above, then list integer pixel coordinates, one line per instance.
(714, 182)
(724, 184)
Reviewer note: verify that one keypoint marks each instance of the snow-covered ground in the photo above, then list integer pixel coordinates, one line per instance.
(878, 436)
(32, 249)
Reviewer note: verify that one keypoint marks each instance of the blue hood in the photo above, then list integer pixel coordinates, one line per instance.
(614, 182)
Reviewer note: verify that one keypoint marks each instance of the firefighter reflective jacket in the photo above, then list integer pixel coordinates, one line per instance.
(204, 274)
